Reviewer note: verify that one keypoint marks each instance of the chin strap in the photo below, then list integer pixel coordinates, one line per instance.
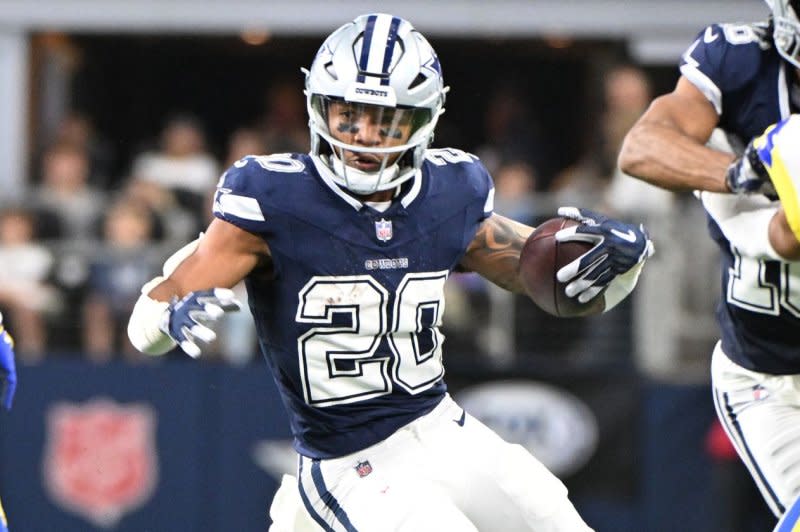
(362, 182)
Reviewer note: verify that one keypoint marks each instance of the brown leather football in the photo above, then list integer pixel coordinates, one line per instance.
(541, 258)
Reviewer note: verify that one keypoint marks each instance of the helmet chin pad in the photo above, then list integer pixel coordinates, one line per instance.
(364, 183)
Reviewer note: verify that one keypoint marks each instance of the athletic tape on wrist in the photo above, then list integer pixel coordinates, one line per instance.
(144, 327)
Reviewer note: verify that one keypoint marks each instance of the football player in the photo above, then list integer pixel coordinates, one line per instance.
(8, 384)
(741, 79)
(345, 252)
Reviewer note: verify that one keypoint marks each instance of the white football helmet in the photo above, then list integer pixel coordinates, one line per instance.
(378, 64)
(786, 32)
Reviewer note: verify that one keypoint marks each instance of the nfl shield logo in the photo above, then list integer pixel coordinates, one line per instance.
(363, 468)
(101, 458)
(383, 230)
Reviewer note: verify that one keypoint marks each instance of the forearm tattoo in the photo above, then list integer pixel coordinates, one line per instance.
(494, 252)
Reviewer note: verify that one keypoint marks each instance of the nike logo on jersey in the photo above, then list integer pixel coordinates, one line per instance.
(460, 421)
(630, 236)
(709, 36)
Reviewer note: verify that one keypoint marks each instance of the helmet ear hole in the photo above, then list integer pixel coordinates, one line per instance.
(330, 70)
(419, 80)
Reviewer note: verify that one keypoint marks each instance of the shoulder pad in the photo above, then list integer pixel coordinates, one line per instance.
(728, 54)
(244, 190)
(450, 164)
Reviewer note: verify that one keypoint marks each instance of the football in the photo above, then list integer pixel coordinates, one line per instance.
(541, 258)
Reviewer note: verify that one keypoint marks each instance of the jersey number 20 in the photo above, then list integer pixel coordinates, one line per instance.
(351, 317)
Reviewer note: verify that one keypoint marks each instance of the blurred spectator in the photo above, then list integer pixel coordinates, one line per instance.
(182, 163)
(176, 224)
(25, 294)
(127, 260)
(595, 179)
(64, 192)
(512, 133)
(514, 185)
(77, 130)
(285, 126)
(627, 95)
(244, 141)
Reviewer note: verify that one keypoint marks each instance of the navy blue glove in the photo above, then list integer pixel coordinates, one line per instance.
(618, 248)
(8, 370)
(188, 320)
(747, 174)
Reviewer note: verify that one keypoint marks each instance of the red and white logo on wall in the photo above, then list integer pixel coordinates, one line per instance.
(100, 458)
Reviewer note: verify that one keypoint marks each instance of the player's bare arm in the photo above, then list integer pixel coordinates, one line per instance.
(494, 252)
(224, 256)
(666, 146)
(178, 308)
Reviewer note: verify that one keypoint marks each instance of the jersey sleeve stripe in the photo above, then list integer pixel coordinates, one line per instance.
(239, 206)
(488, 207)
(704, 83)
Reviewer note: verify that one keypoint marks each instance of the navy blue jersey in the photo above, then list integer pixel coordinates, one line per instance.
(751, 87)
(349, 323)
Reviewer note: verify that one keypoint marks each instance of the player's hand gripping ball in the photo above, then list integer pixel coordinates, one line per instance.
(541, 258)
(583, 262)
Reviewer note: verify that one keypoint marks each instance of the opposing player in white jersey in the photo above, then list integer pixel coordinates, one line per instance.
(345, 252)
(741, 79)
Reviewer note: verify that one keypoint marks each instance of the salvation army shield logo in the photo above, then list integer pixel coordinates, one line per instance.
(100, 458)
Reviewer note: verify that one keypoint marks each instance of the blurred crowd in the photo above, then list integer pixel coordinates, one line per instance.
(77, 250)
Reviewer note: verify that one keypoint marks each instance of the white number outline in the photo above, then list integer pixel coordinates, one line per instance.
(317, 350)
(740, 33)
(749, 289)
(370, 381)
(398, 342)
(445, 156)
(276, 162)
(790, 271)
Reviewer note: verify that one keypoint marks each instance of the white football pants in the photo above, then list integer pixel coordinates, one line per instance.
(761, 414)
(444, 471)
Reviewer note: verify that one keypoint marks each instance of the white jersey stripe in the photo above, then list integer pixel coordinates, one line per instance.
(239, 206)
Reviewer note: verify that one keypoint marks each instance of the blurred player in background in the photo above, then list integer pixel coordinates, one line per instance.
(707, 135)
(345, 252)
(8, 383)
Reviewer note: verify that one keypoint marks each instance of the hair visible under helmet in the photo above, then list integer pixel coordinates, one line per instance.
(381, 62)
(786, 29)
